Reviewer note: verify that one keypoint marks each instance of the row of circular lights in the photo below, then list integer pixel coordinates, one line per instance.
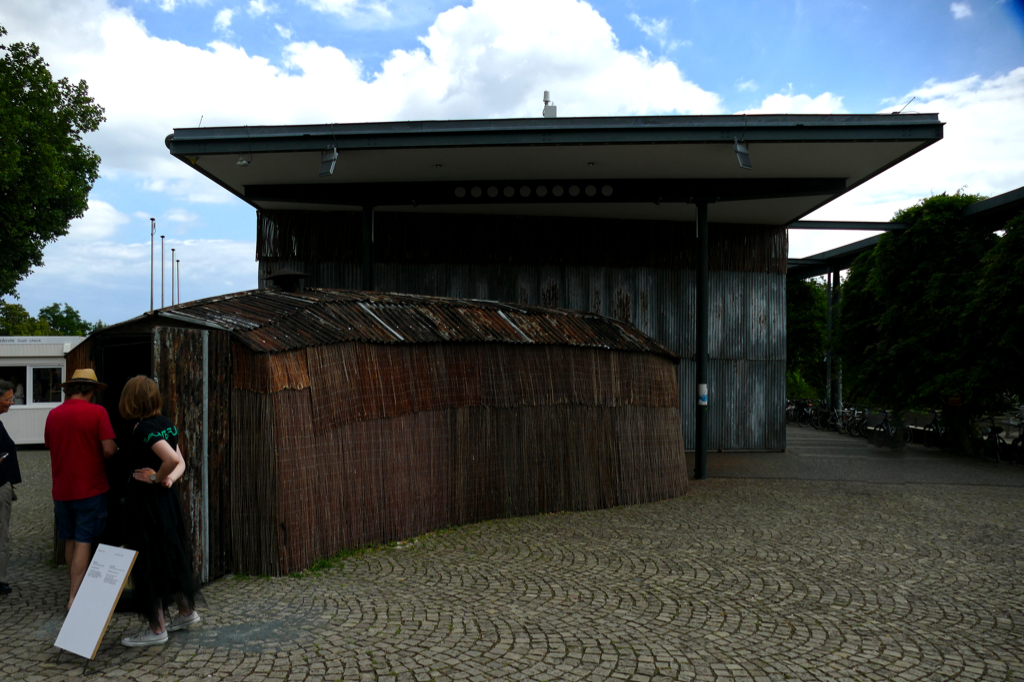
(541, 191)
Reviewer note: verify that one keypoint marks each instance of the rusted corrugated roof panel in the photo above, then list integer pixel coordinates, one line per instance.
(271, 321)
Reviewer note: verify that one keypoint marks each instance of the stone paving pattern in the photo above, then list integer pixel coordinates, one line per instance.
(741, 579)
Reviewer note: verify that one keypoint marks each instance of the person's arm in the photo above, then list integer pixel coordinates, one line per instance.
(109, 448)
(172, 466)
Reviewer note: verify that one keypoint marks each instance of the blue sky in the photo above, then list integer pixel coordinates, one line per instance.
(159, 64)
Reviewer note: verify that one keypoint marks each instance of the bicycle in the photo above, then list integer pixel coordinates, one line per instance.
(934, 432)
(995, 445)
(889, 432)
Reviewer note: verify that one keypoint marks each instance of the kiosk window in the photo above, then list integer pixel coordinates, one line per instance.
(17, 376)
(46, 384)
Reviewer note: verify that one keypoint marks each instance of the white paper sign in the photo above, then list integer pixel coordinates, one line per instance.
(89, 616)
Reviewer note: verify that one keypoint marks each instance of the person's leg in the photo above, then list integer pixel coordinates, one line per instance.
(5, 529)
(90, 521)
(184, 608)
(158, 626)
(79, 564)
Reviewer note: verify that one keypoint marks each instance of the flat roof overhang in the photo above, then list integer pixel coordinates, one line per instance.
(650, 168)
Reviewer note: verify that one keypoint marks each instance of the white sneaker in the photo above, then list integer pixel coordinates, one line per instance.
(181, 622)
(145, 638)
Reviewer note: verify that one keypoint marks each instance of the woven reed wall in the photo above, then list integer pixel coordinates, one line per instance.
(374, 443)
(421, 238)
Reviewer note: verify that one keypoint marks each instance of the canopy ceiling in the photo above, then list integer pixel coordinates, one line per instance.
(624, 167)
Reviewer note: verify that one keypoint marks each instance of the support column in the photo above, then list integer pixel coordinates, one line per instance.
(367, 248)
(828, 340)
(701, 451)
(835, 387)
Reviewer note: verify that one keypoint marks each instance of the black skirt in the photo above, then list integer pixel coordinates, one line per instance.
(156, 530)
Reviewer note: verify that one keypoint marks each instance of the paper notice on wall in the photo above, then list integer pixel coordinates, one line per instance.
(89, 616)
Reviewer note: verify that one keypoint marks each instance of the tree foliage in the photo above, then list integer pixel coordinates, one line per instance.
(935, 311)
(46, 171)
(806, 321)
(53, 320)
(15, 321)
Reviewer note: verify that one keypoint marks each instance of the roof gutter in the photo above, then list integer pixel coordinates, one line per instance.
(186, 142)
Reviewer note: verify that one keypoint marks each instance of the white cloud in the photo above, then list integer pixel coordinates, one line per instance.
(106, 279)
(492, 59)
(658, 29)
(285, 33)
(171, 5)
(258, 8)
(788, 103)
(961, 10)
(101, 221)
(180, 215)
(746, 86)
(981, 149)
(222, 22)
(369, 11)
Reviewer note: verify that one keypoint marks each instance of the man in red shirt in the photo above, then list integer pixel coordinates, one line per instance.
(79, 437)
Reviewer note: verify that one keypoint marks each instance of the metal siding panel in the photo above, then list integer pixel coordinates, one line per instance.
(747, 326)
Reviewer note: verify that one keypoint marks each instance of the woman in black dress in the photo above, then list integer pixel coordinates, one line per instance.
(155, 524)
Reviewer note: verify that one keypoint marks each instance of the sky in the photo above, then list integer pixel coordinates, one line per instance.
(159, 64)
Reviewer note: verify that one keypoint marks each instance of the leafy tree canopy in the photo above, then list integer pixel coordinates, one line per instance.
(53, 320)
(936, 311)
(46, 171)
(806, 318)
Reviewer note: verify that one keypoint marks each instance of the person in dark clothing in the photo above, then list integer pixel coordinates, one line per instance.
(156, 525)
(9, 475)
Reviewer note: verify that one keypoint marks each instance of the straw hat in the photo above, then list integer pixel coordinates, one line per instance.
(85, 376)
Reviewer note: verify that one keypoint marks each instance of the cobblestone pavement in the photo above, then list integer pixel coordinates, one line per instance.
(741, 579)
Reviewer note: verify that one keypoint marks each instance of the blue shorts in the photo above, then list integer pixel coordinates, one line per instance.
(81, 520)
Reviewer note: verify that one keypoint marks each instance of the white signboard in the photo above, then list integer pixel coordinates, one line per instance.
(89, 616)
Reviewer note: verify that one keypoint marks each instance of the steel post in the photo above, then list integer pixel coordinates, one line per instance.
(367, 248)
(701, 451)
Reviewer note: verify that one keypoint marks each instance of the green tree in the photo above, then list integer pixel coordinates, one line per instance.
(998, 309)
(65, 320)
(15, 321)
(46, 171)
(909, 328)
(806, 321)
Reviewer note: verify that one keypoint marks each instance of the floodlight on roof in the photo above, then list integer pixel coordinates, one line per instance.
(742, 154)
(242, 161)
(328, 158)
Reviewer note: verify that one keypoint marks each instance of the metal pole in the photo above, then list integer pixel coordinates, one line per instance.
(179, 280)
(367, 248)
(701, 451)
(836, 363)
(828, 341)
(172, 276)
(152, 233)
(161, 271)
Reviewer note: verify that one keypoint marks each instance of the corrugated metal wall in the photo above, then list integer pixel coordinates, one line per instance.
(747, 382)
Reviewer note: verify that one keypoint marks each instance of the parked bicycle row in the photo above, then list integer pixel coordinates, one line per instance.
(882, 428)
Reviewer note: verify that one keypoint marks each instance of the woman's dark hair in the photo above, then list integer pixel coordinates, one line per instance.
(5, 386)
(140, 398)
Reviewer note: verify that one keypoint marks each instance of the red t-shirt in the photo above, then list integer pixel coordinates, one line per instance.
(73, 433)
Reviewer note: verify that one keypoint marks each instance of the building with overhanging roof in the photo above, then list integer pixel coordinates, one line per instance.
(317, 420)
(651, 220)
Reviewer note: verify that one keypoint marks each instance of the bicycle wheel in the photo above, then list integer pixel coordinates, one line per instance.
(880, 437)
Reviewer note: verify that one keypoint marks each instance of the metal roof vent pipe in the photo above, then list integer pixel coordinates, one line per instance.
(550, 110)
(288, 280)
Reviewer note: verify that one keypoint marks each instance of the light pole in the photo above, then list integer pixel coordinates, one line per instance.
(179, 280)
(172, 276)
(152, 233)
(161, 271)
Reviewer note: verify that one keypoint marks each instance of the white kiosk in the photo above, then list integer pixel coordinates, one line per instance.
(36, 367)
